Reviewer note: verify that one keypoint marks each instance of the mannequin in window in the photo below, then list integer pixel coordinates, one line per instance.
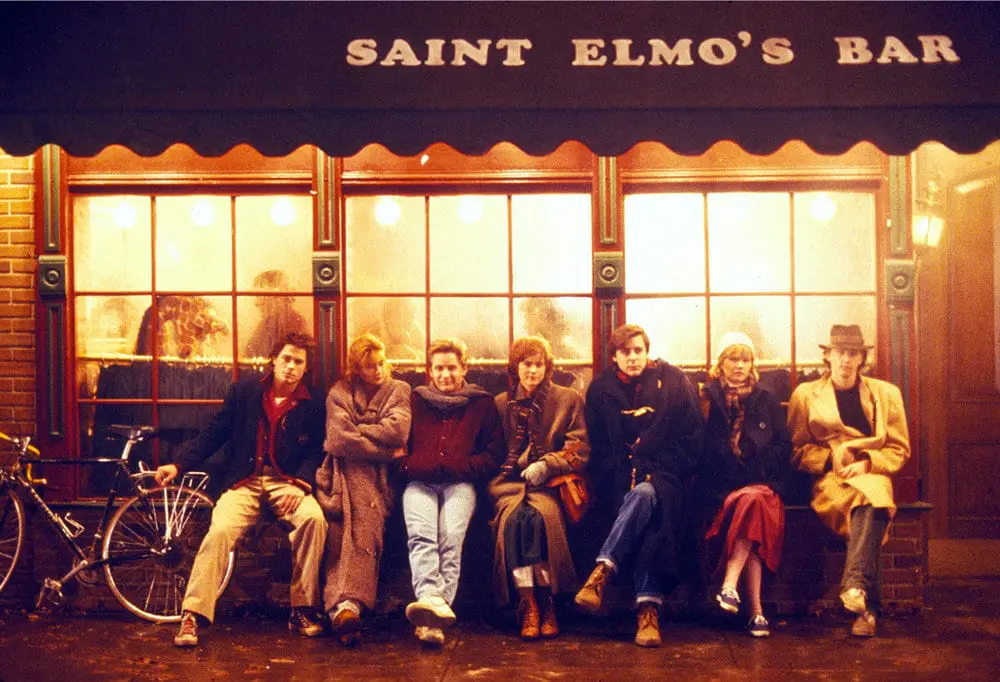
(277, 316)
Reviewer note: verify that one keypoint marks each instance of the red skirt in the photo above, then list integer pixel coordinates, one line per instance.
(753, 513)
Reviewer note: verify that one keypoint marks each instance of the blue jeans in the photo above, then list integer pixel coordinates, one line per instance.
(437, 516)
(627, 534)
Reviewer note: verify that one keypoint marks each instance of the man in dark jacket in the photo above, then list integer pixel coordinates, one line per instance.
(645, 435)
(272, 429)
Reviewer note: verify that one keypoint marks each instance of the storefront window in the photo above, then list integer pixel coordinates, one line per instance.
(168, 290)
(485, 268)
(780, 266)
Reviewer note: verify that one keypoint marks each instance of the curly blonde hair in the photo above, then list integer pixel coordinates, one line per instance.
(362, 348)
(732, 352)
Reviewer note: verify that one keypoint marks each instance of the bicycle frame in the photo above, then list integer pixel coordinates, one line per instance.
(91, 558)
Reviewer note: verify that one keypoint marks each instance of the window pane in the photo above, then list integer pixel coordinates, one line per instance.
(398, 322)
(107, 328)
(482, 323)
(187, 328)
(469, 244)
(111, 242)
(766, 319)
(194, 243)
(841, 223)
(565, 322)
(676, 327)
(386, 245)
(552, 243)
(96, 481)
(748, 242)
(274, 243)
(263, 320)
(814, 315)
(664, 243)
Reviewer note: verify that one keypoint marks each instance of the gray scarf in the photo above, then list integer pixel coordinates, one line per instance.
(446, 402)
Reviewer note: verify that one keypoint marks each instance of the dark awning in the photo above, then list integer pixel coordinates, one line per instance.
(406, 75)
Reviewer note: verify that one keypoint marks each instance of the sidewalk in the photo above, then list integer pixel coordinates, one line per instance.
(957, 636)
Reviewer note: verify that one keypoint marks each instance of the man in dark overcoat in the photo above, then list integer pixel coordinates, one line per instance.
(645, 432)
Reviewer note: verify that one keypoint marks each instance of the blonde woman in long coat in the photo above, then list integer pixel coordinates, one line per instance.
(850, 432)
(367, 424)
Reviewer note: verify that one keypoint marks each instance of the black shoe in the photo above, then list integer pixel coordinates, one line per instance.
(302, 621)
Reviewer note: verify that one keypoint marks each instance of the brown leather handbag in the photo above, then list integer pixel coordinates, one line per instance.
(574, 494)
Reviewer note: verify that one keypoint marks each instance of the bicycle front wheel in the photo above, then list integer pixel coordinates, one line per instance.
(150, 546)
(12, 523)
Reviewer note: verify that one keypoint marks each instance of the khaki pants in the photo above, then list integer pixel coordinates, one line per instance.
(238, 510)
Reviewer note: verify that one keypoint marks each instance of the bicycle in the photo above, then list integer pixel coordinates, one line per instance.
(146, 545)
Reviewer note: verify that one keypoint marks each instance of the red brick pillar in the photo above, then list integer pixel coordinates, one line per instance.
(17, 294)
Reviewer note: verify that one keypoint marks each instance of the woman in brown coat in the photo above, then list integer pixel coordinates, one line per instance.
(546, 436)
(367, 424)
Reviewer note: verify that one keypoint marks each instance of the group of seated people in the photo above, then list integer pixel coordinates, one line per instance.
(667, 459)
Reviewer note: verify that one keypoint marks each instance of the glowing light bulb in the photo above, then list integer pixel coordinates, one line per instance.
(823, 208)
(283, 212)
(470, 209)
(387, 211)
(203, 213)
(125, 215)
(424, 158)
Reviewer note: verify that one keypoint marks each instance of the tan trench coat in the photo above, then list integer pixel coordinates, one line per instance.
(563, 425)
(816, 428)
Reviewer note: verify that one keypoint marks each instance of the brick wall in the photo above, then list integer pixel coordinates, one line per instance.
(17, 294)
(807, 581)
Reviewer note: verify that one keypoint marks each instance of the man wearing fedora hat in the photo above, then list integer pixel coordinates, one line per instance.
(850, 432)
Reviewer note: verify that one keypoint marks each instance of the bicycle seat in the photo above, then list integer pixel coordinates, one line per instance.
(136, 433)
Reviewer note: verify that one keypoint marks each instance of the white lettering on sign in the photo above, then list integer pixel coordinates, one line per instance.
(624, 52)
(437, 52)
(934, 49)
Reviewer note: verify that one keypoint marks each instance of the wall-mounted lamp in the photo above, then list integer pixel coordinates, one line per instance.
(927, 224)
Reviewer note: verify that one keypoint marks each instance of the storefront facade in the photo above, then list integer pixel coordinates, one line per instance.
(555, 169)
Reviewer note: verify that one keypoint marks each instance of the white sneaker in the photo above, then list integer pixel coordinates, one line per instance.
(431, 611)
(431, 637)
(854, 599)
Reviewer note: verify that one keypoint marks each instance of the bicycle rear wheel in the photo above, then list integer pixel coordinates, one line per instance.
(150, 546)
(11, 533)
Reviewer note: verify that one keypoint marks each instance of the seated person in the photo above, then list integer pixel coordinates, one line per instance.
(850, 432)
(272, 429)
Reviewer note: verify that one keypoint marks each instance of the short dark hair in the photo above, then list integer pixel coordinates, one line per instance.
(299, 340)
(620, 336)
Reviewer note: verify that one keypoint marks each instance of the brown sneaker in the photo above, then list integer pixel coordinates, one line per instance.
(864, 626)
(648, 632)
(187, 634)
(346, 626)
(591, 595)
(549, 627)
(528, 616)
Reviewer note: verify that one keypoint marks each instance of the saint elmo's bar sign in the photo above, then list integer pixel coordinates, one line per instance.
(406, 74)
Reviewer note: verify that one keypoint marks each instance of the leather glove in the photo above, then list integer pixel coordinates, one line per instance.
(535, 473)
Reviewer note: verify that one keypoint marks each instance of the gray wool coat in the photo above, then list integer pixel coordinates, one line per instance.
(362, 436)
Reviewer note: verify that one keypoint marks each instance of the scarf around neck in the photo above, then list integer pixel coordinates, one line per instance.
(527, 417)
(736, 409)
(446, 402)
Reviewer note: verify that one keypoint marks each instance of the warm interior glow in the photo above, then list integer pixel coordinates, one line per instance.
(387, 212)
(470, 210)
(927, 229)
(282, 212)
(823, 208)
(203, 213)
(125, 215)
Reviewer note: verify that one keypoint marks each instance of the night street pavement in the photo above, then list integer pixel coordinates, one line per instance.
(956, 637)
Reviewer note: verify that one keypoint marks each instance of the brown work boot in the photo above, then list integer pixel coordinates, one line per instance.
(345, 625)
(864, 626)
(648, 632)
(528, 616)
(187, 634)
(590, 596)
(549, 627)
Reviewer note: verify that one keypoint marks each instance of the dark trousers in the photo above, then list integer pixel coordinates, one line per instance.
(863, 567)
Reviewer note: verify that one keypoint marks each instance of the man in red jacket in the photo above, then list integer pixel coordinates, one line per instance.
(456, 439)
(272, 429)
